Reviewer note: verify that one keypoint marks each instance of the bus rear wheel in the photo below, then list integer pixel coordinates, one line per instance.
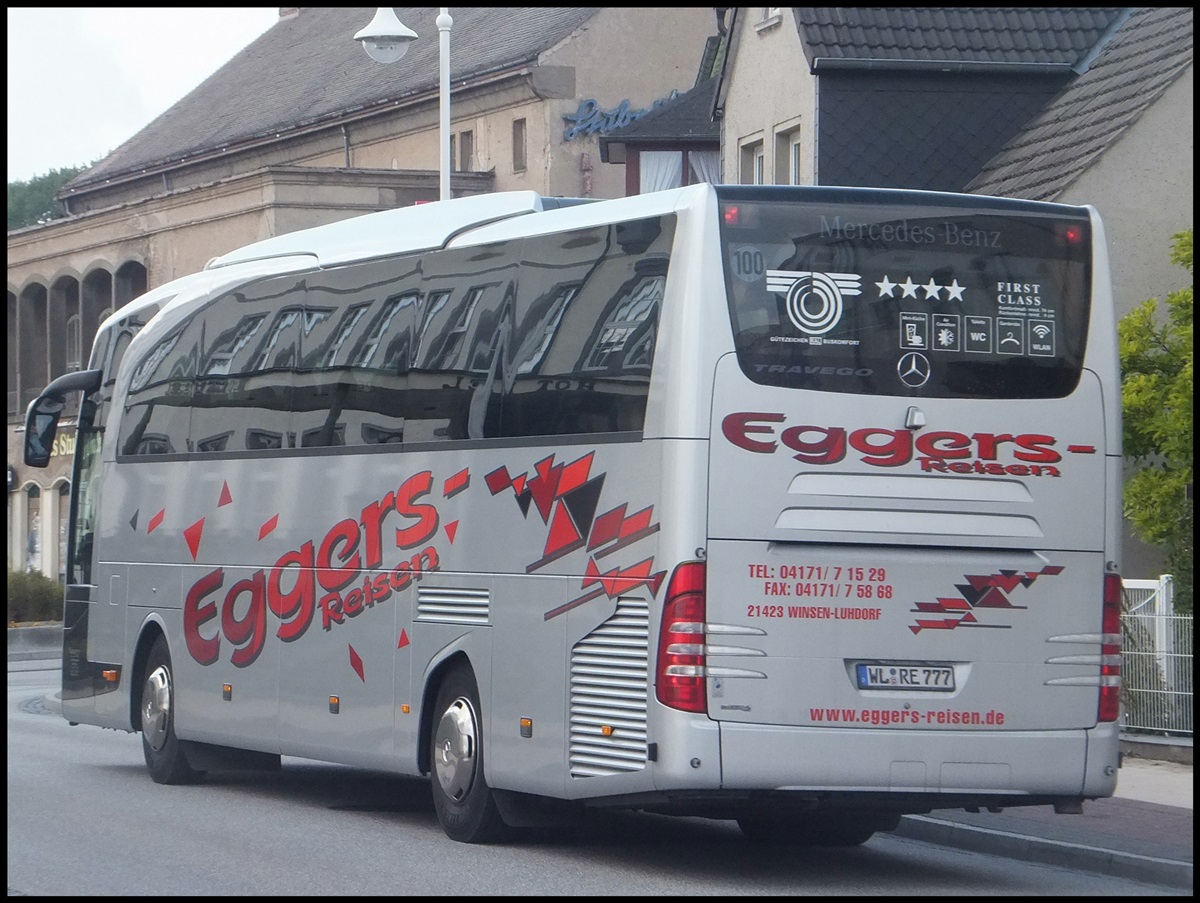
(462, 799)
(165, 758)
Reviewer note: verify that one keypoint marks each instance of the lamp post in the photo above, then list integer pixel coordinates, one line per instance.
(386, 40)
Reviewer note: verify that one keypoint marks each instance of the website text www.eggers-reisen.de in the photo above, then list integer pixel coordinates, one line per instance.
(938, 717)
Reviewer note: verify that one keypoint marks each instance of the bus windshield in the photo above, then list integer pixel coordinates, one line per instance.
(907, 297)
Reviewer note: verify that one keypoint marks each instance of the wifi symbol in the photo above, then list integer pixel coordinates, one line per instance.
(1041, 330)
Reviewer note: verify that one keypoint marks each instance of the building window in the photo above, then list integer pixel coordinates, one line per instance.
(702, 166)
(74, 343)
(769, 17)
(466, 148)
(789, 157)
(520, 161)
(659, 170)
(752, 161)
(33, 529)
(64, 518)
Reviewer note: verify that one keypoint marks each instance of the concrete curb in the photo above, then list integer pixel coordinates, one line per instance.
(41, 641)
(1050, 852)
(1164, 749)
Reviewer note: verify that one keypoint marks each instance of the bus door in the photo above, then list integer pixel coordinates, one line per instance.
(907, 469)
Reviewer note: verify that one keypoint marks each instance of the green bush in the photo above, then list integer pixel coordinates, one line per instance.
(32, 596)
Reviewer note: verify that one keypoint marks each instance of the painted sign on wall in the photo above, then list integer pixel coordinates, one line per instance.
(589, 119)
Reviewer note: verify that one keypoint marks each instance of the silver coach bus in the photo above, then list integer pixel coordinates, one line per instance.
(792, 505)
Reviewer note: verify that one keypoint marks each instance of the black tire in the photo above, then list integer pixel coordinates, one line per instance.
(816, 830)
(462, 799)
(165, 757)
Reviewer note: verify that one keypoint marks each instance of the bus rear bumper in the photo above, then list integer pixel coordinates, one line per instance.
(1047, 765)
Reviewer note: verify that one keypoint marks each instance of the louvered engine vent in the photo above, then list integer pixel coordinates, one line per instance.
(453, 606)
(609, 681)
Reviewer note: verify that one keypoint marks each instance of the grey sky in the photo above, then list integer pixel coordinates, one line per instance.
(83, 80)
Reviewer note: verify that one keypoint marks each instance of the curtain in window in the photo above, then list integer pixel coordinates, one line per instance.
(705, 166)
(660, 170)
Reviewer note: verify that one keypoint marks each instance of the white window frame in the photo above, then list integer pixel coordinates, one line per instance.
(770, 17)
(751, 160)
(789, 153)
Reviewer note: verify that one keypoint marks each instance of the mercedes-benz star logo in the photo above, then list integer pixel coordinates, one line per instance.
(913, 369)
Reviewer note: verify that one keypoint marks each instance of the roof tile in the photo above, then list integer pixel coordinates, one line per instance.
(1149, 52)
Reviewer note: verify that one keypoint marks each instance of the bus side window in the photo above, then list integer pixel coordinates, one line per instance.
(457, 380)
(586, 329)
(355, 352)
(158, 408)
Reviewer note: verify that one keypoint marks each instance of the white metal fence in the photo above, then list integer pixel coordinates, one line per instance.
(1156, 660)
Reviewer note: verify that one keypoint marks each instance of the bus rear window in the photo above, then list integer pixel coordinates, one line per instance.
(908, 299)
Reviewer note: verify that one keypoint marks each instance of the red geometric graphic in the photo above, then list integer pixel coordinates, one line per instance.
(498, 480)
(456, 483)
(620, 530)
(356, 663)
(155, 521)
(563, 531)
(573, 512)
(226, 496)
(451, 529)
(981, 591)
(613, 583)
(566, 497)
(268, 526)
(404, 641)
(544, 487)
(574, 474)
(192, 534)
(607, 527)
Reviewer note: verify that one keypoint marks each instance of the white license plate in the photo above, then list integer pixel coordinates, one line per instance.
(903, 676)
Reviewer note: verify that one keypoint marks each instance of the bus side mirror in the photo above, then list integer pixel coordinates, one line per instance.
(41, 426)
(41, 419)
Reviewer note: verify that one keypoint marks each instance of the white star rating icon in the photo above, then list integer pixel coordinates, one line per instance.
(932, 289)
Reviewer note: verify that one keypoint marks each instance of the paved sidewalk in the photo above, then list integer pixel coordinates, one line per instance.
(1143, 833)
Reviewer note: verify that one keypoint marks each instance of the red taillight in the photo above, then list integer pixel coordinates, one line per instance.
(1110, 651)
(679, 675)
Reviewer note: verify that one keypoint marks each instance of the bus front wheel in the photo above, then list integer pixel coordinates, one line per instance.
(464, 803)
(165, 758)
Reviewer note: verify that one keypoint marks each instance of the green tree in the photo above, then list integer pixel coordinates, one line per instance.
(1156, 363)
(33, 201)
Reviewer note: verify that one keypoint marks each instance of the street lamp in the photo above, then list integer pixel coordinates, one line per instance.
(386, 40)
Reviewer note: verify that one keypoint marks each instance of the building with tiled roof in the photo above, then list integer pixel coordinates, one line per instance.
(1134, 70)
(302, 128)
(1118, 137)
